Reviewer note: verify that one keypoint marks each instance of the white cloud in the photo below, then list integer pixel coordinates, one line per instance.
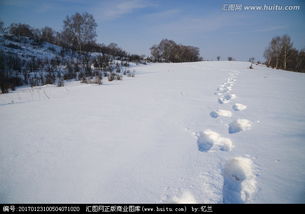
(115, 9)
(163, 14)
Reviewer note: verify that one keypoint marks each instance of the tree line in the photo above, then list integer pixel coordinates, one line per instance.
(170, 51)
(281, 54)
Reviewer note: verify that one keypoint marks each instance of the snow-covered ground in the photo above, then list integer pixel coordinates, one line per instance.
(205, 132)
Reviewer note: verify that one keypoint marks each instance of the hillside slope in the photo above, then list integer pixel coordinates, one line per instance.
(205, 132)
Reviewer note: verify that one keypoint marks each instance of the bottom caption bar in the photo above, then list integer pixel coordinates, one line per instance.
(147, 208)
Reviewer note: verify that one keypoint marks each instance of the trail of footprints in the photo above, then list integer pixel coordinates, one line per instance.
(239, 179)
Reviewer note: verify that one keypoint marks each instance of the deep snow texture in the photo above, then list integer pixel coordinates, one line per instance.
(138, 140)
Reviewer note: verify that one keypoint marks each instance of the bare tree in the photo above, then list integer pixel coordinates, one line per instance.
(155, 52)
(300, 65)
(286, 45)
(2, 27)
(276, 50)
(279, 52)
(21, 30)
(79, 29)
(169, 51)
(268, 56)
(230, 58)
(48, 34)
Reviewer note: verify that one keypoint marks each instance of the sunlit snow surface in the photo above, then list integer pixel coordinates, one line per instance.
(142, 139)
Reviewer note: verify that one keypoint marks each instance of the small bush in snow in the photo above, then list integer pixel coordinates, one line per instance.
(119, 77)
(84, 80)
(118, 69)
(111, 77)
(128, 73)
(4, 86)
(60, 82)
(133, 73)
(34, 82)
(98, 80)
(50, 79)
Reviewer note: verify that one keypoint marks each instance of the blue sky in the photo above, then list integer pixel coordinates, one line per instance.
(135, 25)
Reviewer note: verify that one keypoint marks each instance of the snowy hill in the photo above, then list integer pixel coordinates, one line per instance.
(34, 62)
(205, 132)
(26, 48)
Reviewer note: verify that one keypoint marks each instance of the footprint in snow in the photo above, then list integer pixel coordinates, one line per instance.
(210, 140)
(221, 112)
(222, 89)
(239, 107)
(218, 93)
(239, 125)
(185, 198)
(231, 80)
(228, 84)
(229, 88)
(226, 98)
(239, 180)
